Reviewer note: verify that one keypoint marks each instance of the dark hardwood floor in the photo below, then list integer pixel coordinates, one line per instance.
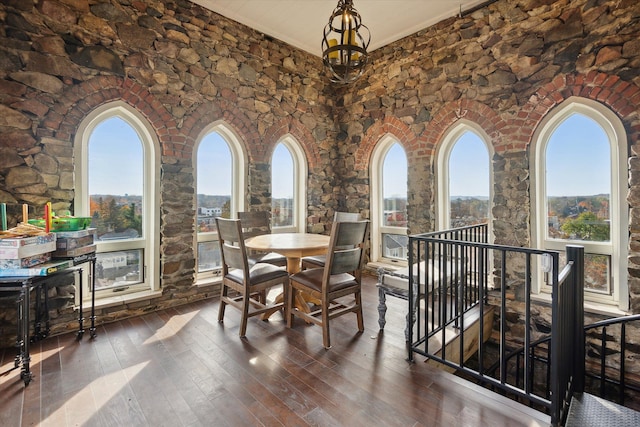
(180, 367)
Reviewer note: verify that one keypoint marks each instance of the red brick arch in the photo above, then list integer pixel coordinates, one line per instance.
(473, 111)
(293, 127)
(229, 113)
(390, 125)
(78, 101)
(620, 96)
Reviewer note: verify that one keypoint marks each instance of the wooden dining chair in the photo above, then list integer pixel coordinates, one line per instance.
(255, 223)
(340, 277)
(251, 283)
(318, 261)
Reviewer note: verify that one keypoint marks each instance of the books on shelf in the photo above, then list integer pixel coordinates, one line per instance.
(43, 269)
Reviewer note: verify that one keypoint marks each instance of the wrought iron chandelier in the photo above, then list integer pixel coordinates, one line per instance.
(344, 44)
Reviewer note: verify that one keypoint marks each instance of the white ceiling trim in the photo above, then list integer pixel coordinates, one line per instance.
(300, 22)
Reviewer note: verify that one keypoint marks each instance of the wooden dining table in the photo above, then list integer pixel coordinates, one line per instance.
(293, 246)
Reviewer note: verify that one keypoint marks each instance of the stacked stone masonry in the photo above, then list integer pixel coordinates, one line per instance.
(503, 67)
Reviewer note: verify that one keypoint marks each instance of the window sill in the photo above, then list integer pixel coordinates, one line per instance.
(121, 300)
(391, 265)
(208, 281)
(589, 306)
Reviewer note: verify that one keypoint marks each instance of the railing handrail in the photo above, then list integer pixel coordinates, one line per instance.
(565, 333)
(621, 383)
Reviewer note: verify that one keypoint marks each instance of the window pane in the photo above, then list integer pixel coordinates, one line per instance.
(215, 168)
(468, 182)
(115, 174)
(597, 272)
(209, 256)
(282, 187)
(394, 187)
(395, 246)
(119, 269)
(578, 181)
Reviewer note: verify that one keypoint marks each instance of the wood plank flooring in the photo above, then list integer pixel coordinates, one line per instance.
(180, 367)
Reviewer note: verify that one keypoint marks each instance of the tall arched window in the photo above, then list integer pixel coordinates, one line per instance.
(389, 201)
(580, 180)
(288, 187)
(117, 165)
(464, 178)
(220, 186)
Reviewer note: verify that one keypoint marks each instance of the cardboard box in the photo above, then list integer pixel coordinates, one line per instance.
(76, 234)
(39, 270)
(70, 253)
(29, 261)
(66, 243)
(23, 247)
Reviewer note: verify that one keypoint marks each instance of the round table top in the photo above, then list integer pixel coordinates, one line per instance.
(288, 241)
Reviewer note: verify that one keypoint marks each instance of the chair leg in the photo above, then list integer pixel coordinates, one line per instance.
(359, 311)
(223, 304)
(326, 338)
(245, 314)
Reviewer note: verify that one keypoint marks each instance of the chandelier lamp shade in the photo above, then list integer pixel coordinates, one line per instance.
(344, 44)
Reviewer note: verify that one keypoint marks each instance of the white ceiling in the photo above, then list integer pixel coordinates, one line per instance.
(301, 22)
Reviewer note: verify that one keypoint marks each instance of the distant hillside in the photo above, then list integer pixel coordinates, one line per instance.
(469, 197)
(208, 201)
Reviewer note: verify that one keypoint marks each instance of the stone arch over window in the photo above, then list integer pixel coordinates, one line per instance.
(486, 122)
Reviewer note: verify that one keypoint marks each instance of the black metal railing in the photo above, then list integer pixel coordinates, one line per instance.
(458, 270)
(605, 341)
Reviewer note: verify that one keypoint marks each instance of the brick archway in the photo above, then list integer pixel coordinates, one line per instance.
(473, 111)
(620, 96)
(227, 112)
(295, 128)
(390, 125)
(64, 118)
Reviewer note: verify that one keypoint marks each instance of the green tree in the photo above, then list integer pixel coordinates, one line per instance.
(130, 219)
(587, 226)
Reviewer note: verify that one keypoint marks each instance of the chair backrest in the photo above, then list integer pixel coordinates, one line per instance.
(346, 217)
(346, 247)
(255, 223)
(232, 249)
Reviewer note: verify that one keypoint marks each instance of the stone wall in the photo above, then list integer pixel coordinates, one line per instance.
(182, 67)
(503, 67)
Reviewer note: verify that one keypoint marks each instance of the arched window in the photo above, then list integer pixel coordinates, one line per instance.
(580, 180)
(288, 187)
(117, 165)
(464, 178)
(388, 202)
(220, 186)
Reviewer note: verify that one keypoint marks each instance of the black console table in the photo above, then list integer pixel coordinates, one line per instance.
(23, 286)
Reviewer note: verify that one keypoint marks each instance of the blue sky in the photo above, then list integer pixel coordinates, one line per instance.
(115, 156)
(578, 161)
